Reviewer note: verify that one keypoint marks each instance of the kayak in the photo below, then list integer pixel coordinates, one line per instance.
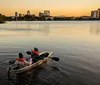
(13, 67)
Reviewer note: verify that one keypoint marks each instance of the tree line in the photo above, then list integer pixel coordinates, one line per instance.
(2, 18)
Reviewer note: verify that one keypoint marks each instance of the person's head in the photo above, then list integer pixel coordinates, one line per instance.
(36, 49)
(20, 55)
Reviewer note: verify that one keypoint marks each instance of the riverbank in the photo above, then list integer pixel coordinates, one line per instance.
(1, 22)
(52, 20)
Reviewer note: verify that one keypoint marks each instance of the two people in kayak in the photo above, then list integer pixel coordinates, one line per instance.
(22, 62)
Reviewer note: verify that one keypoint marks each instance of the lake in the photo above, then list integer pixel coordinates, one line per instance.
(76, 43)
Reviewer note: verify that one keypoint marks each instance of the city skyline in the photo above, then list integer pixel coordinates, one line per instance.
(56, 7)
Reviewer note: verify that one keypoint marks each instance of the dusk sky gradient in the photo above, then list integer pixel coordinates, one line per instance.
(56, 7)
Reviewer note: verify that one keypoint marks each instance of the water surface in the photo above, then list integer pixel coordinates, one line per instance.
(76, 43)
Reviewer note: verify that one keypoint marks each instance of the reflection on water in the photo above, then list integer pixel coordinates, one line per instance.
(44, 28)
(49, 28)
(18, 28)
(95, 29)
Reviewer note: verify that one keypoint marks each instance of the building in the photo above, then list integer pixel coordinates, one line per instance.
(85, 17)
(41, 14)
(23, 15)
(46, 13)
(20, 15)
(94, 14)
(28, 12)
(62, 16)
(98, 14)
(16, 14)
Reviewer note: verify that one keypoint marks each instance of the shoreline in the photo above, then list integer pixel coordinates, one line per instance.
(2, 22)
(51, 20)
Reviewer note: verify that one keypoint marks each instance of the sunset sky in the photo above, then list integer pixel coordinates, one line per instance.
(56, 7)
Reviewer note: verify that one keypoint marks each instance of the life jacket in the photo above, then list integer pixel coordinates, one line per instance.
(35, 52)
(20, 59)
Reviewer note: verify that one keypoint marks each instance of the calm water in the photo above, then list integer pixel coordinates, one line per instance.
(76, 43)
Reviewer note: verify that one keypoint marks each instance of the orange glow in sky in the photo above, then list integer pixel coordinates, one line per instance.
(56, 7)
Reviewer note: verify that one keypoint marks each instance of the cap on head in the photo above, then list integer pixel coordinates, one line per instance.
(20, 55)
(36, 49)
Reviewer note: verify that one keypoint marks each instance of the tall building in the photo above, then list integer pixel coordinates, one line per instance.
(98, 14)
(46, 13)
(28, 12)
(16, 14)
(94, 14)
(20, 14)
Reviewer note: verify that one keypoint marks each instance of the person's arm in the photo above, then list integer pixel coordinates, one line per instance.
(27, 63)
(30, 61)
(16, 62)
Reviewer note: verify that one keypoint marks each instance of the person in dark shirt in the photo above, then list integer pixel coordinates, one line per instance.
(35, 55)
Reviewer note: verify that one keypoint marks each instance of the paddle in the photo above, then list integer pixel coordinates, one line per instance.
(53, 58)
(29, 52)
(12, 61)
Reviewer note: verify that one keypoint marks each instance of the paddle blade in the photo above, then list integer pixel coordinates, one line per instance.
(12, 61)
(55, 58)
(29, 52)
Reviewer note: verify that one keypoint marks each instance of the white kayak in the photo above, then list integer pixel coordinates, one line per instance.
(27, 68)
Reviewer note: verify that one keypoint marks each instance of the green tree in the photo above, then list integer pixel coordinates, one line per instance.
(2, 18)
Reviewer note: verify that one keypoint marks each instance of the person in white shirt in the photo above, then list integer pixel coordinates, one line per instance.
(21, 61)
